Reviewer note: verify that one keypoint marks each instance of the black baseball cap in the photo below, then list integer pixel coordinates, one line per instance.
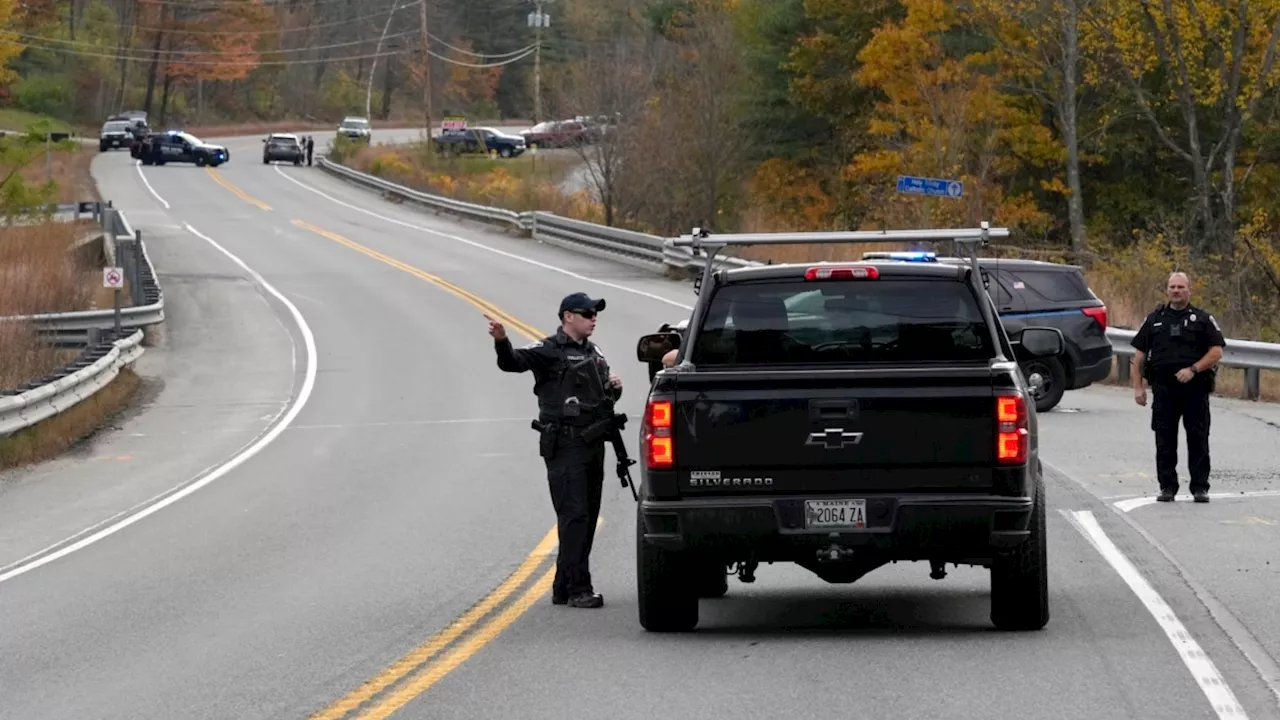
(580, 301)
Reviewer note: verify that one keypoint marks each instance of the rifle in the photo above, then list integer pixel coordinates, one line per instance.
(611, 427)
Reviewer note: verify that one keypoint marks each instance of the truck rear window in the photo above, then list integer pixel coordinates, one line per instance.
(839, 322)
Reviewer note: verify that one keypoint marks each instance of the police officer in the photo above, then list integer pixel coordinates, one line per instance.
(575, 390)
(1180, 344)
(311, 146)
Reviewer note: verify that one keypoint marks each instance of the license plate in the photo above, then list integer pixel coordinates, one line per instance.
(835, 514)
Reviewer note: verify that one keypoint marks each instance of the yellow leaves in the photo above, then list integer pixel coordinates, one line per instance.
(10, 44)
(790, 194)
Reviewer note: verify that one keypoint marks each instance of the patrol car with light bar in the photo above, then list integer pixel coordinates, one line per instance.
(178, 146)
(841, 416)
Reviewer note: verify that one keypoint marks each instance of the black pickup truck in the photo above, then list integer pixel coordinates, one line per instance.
(841, 417)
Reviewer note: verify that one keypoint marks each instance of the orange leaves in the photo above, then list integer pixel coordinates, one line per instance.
(219, 43)
(790, 194)
(469, 87)
(943, 116)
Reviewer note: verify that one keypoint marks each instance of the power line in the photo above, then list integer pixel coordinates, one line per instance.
(179, 33)
(218, 63)
(91, 23)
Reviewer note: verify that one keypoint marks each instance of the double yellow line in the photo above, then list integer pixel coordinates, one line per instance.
(475, 301)
(415, 672)
(217, 177)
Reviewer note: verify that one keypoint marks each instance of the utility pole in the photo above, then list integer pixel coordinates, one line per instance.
(537, 21)
(426, 72)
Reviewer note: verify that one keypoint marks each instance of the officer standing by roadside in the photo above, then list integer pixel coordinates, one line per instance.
(575, 390)
(1180, 344)
(311, 146)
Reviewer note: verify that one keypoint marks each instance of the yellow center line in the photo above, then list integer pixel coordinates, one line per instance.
(418, 662)
(473, 300)
(217, 177)
(432, 674)
(424, 652)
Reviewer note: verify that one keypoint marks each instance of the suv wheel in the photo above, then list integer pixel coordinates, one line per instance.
(1051, 384)
(1020, 579)
(667, 601)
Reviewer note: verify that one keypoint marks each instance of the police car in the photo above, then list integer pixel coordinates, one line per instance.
(1043, 294)
(178, 146)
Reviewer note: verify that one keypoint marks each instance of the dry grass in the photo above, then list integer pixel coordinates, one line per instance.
(39, 273)
(58, 433)
(288, 126)
(520, 184)
(70, 170)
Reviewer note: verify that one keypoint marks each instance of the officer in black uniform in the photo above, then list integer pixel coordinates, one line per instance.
(1177, 348)
(575, 391)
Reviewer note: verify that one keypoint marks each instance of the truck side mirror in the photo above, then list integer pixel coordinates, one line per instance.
(651, 348)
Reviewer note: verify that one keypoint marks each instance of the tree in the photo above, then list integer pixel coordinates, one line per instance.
(10, 46)
(1214, 66)
(609, 84)
(944, 116)
(1037, 45)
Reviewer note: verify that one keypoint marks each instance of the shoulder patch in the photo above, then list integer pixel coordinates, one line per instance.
(532, 345)
(1214, 320)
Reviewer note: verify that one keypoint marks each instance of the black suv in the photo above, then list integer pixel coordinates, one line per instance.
(175, 146)
(841, 416)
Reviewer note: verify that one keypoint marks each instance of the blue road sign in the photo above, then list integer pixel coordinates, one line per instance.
(936, 187)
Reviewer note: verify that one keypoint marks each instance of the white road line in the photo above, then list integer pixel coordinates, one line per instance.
(304, 393)
(1202, 669)
(137, 165)
(1135, 503)
(475, 244)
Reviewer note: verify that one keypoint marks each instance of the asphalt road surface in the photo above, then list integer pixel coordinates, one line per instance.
(380, 544)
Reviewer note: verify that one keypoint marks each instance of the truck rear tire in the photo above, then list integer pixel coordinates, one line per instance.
(1020, 579)
(667, 599)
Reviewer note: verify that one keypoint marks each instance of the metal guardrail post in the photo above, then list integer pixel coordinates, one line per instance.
(1122, 368)
(1252, 383)
(135, 262)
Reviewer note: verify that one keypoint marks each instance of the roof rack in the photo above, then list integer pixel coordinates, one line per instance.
(971, 239)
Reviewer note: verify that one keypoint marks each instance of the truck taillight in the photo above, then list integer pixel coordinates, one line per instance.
(1012, 438)
(659, 445)
(822, 272)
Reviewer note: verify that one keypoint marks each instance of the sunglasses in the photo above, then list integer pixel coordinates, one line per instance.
(588, 314)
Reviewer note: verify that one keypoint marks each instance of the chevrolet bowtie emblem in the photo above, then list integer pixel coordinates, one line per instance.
(834, 438)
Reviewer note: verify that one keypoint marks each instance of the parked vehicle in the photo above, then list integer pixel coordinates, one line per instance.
(178, 146)
(481, 140)
(841, 416)
(283, 146)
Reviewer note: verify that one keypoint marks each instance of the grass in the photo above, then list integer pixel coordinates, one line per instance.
(69, 169)
(62, 431)
(14, 119)
(520, 184)
(40, 273)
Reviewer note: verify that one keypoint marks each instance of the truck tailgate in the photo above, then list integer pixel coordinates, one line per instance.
(905, 429)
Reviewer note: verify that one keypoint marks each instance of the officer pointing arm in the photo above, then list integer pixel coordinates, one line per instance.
(575, 392)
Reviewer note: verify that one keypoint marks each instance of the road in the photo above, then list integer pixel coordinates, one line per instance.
(384, 547)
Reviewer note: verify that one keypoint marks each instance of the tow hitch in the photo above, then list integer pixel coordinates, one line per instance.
(937, 569)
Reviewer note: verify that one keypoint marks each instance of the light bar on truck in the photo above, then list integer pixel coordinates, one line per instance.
(906, 256)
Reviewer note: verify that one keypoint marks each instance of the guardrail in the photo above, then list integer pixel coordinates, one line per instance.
(658, 254)
(104, 351)
(1250, 356)
(122, 247)
(649, 252)
(45, 397)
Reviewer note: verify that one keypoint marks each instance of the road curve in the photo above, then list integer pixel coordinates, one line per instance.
(403, 494)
